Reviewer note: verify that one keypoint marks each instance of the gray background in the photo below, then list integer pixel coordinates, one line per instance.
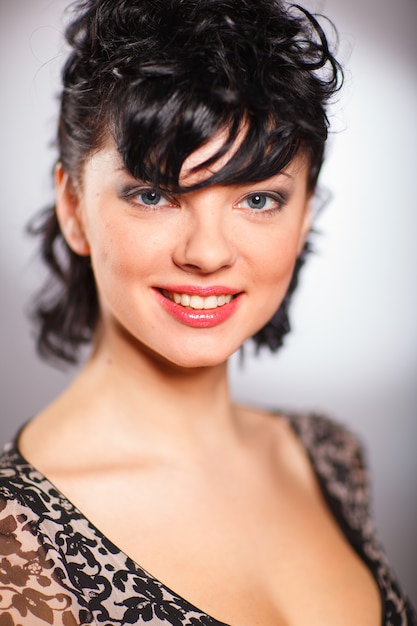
(353, 352)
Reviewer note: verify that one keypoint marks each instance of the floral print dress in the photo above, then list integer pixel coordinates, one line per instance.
(56, 568)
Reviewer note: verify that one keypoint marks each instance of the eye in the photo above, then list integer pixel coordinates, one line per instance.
(148, 197)
(262, 201)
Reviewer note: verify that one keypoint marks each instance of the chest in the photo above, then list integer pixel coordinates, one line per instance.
(245, 552)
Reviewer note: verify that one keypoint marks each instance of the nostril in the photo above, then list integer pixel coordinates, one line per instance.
(204, 257)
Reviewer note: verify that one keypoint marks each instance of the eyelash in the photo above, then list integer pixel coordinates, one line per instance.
(131, 195)
(278, 198)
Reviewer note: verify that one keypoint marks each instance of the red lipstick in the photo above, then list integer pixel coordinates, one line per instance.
(199, 318)
(197, 290)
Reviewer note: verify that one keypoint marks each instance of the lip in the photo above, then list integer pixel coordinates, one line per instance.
(196, 290)
(205, 318)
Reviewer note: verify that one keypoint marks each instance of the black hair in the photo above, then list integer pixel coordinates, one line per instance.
(162, 77)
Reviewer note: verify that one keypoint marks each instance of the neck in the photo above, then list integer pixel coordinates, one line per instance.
(157, 404)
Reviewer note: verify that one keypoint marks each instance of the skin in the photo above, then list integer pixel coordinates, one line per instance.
(194, 240)
(152, 408)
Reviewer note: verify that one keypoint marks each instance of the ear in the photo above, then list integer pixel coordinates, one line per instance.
(305, 225)
(68, 213)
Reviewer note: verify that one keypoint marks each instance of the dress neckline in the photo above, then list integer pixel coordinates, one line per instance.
(294, 421)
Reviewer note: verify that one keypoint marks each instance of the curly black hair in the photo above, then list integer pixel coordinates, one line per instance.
(162, 77)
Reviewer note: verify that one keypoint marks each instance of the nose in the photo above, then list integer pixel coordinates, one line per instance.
(205, 244)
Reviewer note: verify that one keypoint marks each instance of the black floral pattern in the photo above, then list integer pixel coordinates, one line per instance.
(58, 569)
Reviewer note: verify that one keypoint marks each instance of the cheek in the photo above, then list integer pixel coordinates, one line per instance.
(272, 278)
(273, 260)
(120, 253)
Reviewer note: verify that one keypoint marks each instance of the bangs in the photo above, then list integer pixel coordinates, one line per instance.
(163, 78)
(155, 133)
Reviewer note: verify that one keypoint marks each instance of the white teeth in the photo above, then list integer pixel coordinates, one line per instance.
(198, 302)
(210, 302)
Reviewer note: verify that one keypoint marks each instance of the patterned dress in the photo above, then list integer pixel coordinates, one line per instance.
(56, 568)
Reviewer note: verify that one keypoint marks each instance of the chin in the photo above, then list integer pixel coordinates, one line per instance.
(180, 356)
(183, 353)
(199, 353)
(194, 361)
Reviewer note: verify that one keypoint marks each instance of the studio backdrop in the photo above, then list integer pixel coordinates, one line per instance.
(352, 353)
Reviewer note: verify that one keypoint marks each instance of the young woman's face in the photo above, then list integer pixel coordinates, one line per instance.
(185, 278)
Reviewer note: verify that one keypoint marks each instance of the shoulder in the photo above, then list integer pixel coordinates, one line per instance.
(339, 461)
(22, 499)
(11, 472)
(329, 440)
(21, 482)
(321, 433)
(31, 588)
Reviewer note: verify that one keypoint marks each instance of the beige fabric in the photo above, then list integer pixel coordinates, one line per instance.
(30, 593)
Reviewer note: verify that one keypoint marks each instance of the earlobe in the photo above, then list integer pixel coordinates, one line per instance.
(68, 213)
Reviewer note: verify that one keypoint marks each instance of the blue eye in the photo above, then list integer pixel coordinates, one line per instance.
(257, 201)
(150, 198)
(147, 197)
(263, 202)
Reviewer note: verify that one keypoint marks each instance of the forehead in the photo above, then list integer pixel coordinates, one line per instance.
(193, 171)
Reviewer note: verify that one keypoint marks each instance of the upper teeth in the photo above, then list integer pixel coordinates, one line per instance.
(197, 302)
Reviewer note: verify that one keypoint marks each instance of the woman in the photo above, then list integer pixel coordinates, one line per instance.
(191, 138)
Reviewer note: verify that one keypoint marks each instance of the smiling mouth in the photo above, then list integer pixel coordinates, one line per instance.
(198, 302)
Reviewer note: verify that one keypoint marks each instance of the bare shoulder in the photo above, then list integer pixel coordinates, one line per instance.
(49, 441)
(265, 427)
(273, 432)
(309, 430)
